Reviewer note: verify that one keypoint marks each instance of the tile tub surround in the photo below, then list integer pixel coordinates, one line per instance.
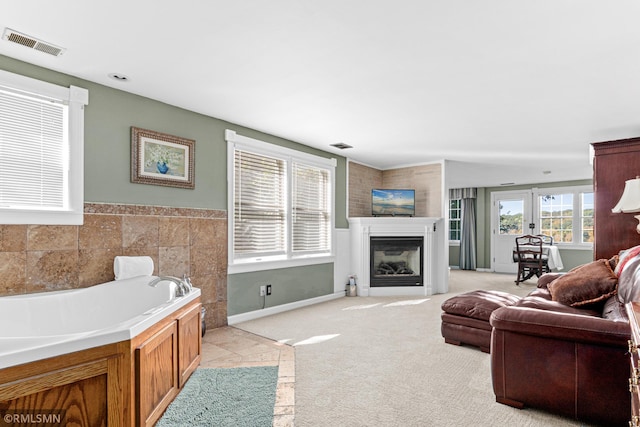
(37, 258)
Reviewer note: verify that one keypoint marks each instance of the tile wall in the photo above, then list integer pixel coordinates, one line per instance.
(360, 181)
(426, 180)
(36, 258)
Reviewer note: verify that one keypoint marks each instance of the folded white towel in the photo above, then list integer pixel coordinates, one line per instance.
(125, 267)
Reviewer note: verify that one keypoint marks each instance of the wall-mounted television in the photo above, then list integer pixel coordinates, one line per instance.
(389, 202)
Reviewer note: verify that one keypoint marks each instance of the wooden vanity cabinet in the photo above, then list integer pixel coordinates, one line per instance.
(156, 374)
(164, 361)
(122, 384)
(189, 343)
(81, 388)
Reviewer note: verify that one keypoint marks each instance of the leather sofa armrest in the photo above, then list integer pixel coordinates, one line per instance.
(562, 326)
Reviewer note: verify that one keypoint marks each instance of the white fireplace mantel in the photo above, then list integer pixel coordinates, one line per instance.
(435, 263)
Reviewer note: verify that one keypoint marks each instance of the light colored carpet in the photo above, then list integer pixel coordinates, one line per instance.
(231, 397)
(381, 361)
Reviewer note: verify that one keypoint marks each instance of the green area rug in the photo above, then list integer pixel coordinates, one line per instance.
(234, 397)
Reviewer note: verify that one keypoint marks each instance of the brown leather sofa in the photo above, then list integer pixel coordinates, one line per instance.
(569, 360)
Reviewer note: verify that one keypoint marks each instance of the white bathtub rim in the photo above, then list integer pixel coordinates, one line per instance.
(19, 350)
(81, 310)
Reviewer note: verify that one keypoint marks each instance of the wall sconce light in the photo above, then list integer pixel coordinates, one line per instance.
(630, 200)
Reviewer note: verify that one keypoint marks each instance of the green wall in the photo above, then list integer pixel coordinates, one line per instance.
(287, 285)
(108, 120)
(454, 255)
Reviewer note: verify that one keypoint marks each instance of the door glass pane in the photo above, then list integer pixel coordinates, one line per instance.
(511, 216)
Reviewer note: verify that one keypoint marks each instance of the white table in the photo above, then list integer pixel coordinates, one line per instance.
(555, 261)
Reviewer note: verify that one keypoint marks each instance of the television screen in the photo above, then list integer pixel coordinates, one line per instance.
(393, 202)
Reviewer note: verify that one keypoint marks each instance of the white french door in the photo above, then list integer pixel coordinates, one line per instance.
(511, 216)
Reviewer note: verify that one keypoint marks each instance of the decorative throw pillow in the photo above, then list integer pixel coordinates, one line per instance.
(613, 262)
(628, 281)
(587, 284)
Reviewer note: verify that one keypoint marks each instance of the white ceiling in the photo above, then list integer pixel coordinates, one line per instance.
(505, 89)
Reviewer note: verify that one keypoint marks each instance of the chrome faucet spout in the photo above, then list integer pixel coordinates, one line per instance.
(187, 281)
(182, 289)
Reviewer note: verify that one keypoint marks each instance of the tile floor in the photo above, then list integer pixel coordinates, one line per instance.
(229, 347)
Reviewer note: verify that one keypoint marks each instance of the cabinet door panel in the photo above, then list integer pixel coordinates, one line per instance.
(156, 374)
(189, 342)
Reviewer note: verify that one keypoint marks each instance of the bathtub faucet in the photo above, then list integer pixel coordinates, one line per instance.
(184, 285)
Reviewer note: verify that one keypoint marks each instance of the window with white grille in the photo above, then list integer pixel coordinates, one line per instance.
(566, 214)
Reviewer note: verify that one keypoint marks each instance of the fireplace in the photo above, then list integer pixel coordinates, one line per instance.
(432, 264)
(396, 261)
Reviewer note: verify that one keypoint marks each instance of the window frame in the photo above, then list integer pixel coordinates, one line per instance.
(289, 258)
(75, 98)
(459, 219)
(577, 217)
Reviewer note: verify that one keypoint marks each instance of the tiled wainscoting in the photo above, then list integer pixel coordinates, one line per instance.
(36, 258)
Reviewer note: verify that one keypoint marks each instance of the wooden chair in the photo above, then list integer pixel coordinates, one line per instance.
(529, 256)
(546, 240)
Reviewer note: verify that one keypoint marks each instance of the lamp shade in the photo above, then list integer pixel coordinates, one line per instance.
(630, 200)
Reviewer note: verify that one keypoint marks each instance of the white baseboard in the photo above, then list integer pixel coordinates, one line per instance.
(484, 270)
(251, 315)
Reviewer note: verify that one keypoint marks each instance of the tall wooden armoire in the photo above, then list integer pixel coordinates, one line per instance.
(614, 163)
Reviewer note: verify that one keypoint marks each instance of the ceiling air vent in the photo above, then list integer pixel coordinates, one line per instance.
(32, 42)
(341, 145)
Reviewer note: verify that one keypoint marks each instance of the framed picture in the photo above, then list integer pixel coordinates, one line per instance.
(161, 159)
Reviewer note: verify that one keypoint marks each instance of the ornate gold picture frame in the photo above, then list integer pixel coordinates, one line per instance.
(162, 159)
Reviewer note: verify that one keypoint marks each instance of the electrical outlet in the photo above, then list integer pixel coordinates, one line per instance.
(263, 290)
(268, 289)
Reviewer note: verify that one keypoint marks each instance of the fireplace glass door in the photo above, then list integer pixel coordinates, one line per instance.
(396, 261)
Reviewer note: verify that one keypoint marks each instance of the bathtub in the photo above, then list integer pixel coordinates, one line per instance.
(47, 324)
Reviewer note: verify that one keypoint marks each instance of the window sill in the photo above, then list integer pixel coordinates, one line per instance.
(42, 217)
(570, 247)
(249, 266)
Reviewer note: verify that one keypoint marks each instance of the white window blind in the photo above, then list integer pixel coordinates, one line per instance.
(282, 202)
(33, 152)
(259, 207)
(41, 151)
(310, 208)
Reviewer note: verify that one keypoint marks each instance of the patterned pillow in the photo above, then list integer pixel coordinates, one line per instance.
(624, 257)
(628, 281)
